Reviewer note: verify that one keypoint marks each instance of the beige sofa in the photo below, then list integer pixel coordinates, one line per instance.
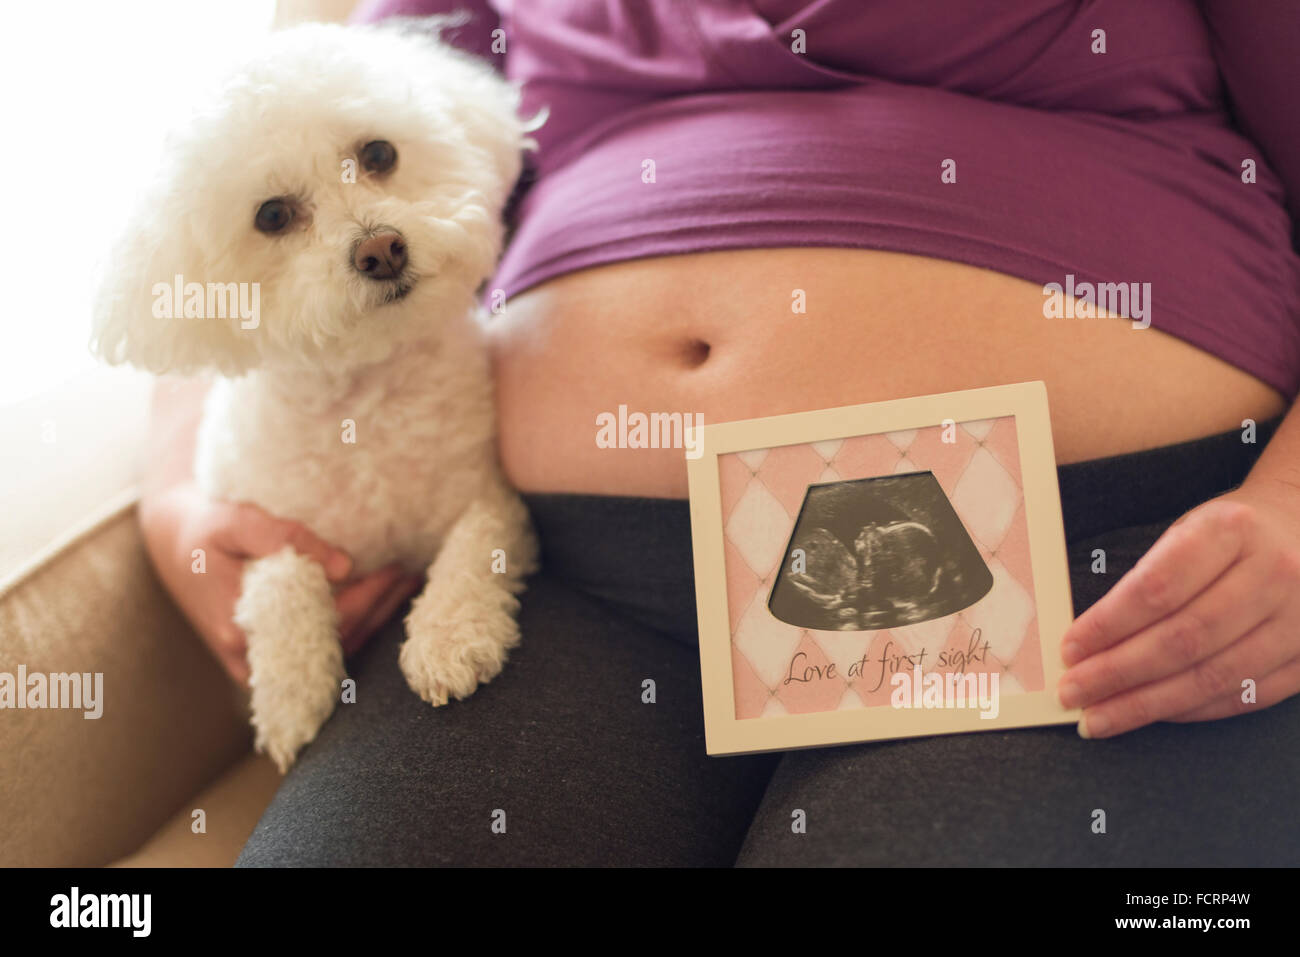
(77, 594)
(172, 738)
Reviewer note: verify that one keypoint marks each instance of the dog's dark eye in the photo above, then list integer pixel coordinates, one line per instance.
(273, 216)
(378, 156)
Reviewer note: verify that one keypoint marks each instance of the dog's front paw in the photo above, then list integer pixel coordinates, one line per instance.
(449, 658)
(287, 611)
(286, 721)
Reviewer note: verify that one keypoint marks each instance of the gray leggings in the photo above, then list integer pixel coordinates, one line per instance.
(563, 751)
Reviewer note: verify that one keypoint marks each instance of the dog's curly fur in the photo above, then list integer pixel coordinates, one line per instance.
(336, 351)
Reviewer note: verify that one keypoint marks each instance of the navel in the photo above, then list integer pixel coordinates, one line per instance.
(695, 352)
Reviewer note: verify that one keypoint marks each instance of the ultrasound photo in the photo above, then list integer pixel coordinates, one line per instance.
(875, 553)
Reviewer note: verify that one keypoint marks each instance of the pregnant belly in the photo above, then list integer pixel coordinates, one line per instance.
(722, 334)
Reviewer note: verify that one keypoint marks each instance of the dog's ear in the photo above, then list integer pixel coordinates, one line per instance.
(150, 276)
(489, 113)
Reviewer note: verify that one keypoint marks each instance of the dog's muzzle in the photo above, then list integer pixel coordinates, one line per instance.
(381, 257)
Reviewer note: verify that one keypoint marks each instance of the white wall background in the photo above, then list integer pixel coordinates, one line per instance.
(89, 86)
(89, 89)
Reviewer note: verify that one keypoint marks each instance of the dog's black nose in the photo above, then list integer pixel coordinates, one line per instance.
(382, 256)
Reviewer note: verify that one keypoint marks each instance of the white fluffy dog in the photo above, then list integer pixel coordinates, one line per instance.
(352, 180)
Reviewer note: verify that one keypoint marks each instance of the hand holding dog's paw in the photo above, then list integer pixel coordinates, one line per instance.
(453, 646)
(182, 520)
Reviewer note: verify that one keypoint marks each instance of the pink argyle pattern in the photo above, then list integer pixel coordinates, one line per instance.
(762, 491)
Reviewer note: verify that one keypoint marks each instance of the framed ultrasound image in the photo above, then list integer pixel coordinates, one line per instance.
(880, 571)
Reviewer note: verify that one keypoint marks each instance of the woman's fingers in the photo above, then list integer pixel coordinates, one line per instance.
(209, 600)
(231, 647)
(384, 609)
(1261, 652)
(1231, 607)
(250, 532)
(1263, 693)
(236, 666)
(1186, 559)
(1219, 648)
(355, 600)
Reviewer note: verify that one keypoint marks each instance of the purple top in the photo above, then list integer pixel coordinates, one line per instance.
(1122, 166)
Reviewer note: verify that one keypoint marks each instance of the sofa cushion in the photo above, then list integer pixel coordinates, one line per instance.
(78, 791)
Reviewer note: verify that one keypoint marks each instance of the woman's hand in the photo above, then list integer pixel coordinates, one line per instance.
(1205, 625)
(181, 519)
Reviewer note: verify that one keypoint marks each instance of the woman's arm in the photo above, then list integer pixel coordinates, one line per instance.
(174, 416)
